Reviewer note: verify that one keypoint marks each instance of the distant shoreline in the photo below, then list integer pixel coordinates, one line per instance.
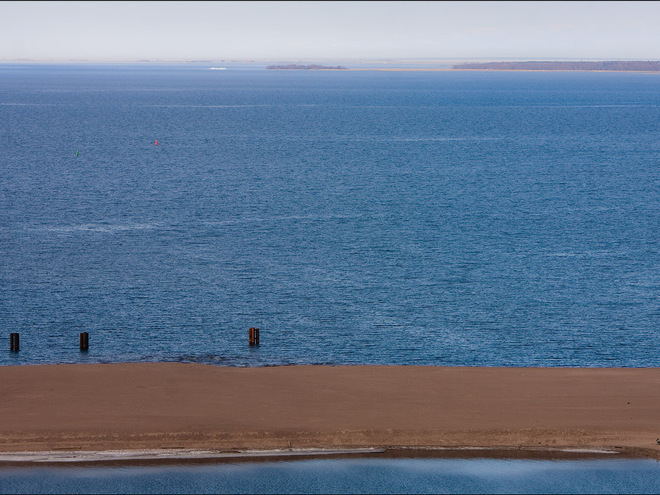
(536, 66)
(430, 69)
(305, 67)
(320, 68)
(609, 65)
(192, 407)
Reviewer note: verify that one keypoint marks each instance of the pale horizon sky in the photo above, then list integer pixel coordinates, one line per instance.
(180, 31)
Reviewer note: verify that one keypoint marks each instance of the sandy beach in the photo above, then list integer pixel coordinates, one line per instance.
(103, 407)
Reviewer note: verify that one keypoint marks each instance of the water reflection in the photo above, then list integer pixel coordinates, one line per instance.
(389, 475)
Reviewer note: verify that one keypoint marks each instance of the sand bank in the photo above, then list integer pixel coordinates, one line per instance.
(141, 406)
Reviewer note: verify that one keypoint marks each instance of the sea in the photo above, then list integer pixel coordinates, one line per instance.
(353, 216)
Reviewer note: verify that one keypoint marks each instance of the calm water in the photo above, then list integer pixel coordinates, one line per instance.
(494, 219)
(349, 476)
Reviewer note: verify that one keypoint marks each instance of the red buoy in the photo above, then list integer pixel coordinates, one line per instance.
(156, 142)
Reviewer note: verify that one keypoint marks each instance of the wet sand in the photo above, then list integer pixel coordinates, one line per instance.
(102, 407)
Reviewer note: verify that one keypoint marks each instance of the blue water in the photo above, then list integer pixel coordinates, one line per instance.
(472, 219)
(349, 476)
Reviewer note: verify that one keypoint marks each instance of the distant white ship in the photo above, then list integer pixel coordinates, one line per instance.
(217, 68)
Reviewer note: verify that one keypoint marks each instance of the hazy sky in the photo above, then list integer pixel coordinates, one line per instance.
(320, 30)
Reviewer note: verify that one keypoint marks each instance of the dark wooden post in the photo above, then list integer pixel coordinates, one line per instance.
(14, 342)
(84, 341)
(254, 336)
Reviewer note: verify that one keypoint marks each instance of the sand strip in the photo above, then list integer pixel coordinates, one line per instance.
(437, 69)
(187, 456)
(139, 406)
(160, 456)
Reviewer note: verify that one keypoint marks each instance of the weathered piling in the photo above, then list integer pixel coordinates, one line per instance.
(14, 344)
(254, 336)
(84, 341)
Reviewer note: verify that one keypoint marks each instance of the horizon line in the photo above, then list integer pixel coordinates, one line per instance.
(359, 60)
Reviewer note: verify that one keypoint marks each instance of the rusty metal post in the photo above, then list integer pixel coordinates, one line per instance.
(254, 336)
(84, 341)
(14, 344)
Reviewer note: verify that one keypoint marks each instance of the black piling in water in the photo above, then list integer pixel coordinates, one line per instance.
(254, 336)
(84, 341)
(14, 342)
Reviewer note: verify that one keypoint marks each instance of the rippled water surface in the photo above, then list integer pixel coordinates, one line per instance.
(491, 219)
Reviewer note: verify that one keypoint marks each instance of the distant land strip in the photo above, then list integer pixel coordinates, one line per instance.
(603, 66)
(618, 66)
(305, 67)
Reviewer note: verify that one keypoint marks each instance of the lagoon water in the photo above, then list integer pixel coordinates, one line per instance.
(355, 217)
(348, 476)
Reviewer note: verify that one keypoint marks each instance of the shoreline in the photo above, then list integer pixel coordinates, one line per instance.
(58, 410)
(149, 457)
(435, 69)
(430, 69)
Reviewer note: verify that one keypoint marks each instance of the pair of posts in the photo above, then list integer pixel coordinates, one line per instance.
(14, 341)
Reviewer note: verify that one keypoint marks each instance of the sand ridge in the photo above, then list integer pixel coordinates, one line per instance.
(195, 406)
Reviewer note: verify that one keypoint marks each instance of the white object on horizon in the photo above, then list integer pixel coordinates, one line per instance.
(217, 68)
